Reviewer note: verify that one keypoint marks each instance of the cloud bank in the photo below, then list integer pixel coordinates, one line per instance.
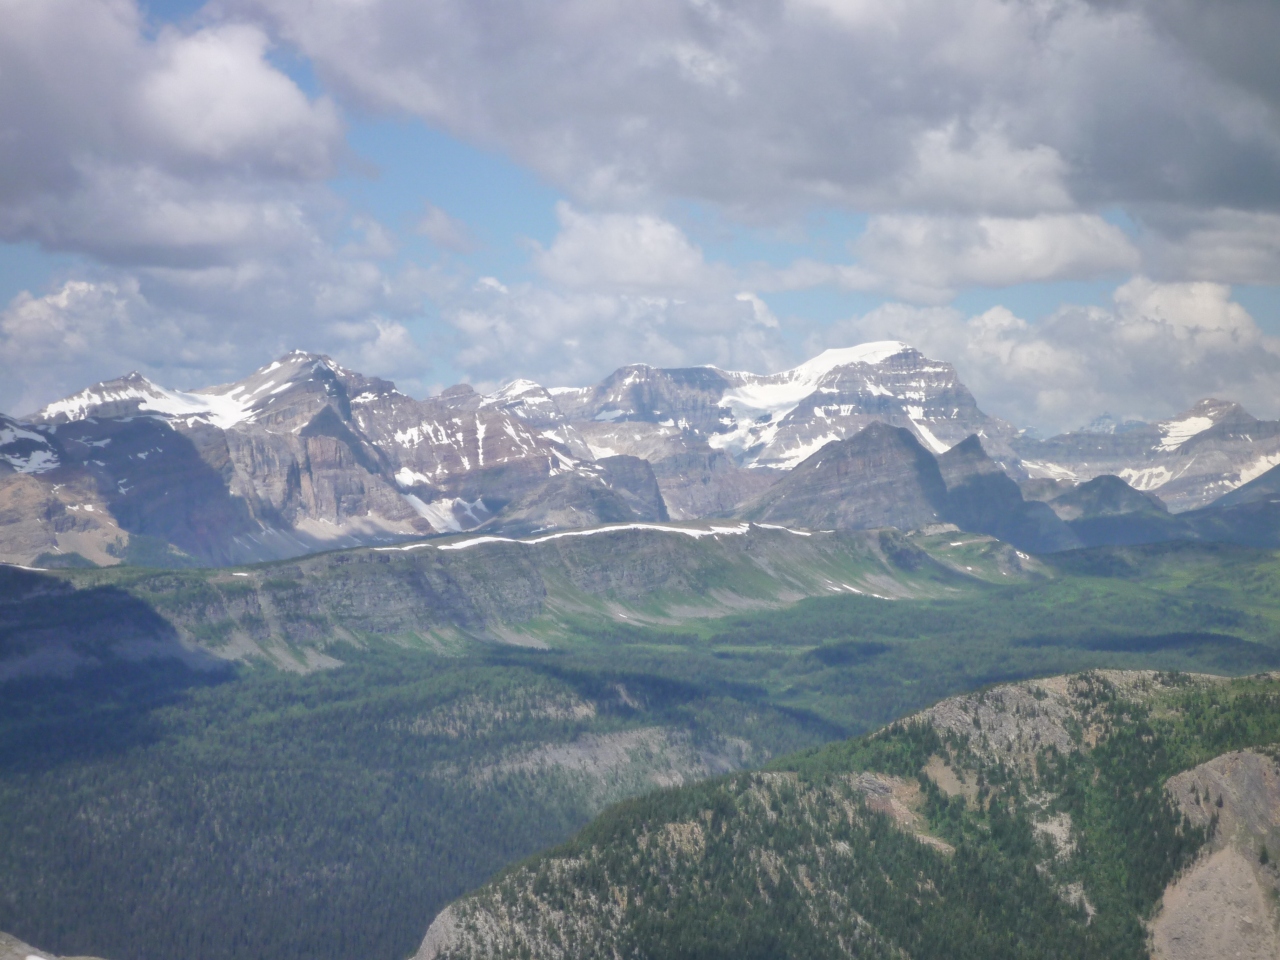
(985, 143)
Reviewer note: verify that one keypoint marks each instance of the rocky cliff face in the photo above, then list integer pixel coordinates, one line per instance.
(1224, 906)
(884, 477)
(881, 477)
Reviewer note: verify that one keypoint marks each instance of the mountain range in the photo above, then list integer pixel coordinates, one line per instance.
(306, 455)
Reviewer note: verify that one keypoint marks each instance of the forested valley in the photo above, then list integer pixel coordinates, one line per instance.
(156, 811)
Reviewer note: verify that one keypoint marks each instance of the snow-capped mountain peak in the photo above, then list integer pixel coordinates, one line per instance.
(780, 419)
(872, 353)
(135, 395)
(516, 388)
(776, 395)
(302, 451)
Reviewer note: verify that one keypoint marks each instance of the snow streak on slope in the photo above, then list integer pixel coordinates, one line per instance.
(1177, 432)
(697, 533)
(25, 450)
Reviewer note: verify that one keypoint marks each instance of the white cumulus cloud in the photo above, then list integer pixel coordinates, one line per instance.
(1153, 352)
(631, 252)
(929, 258)
(130, 148)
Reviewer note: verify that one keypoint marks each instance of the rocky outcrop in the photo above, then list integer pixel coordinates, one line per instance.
(44, 522)
(1224, 906)
(548, 911)
(11, 948)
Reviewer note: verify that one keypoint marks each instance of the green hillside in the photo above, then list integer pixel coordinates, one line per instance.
(1028, 822)
(440, 595)
(164, 808)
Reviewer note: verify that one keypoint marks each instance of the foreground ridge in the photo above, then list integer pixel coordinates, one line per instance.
(1075, 816)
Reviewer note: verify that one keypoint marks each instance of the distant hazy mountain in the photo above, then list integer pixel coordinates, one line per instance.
(1191, 459)
(881, 477)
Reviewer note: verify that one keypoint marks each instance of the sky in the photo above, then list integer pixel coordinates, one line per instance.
(1075, 202)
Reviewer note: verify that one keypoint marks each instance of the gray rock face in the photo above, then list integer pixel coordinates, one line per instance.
(1222, 907)
(708, 484)
(611, 490)
(690, 398)
(25, 448)
(882, 477)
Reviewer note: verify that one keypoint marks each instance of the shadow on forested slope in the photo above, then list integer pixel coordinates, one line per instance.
(81, 670)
